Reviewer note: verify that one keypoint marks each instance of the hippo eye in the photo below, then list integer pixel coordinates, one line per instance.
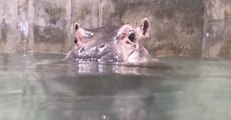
(132, 37)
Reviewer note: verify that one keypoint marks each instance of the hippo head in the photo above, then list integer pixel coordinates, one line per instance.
(128, 42)
(82, 35)
(119, 44)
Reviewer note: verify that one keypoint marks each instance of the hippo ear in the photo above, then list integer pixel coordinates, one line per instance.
(144, 28)
(75, 41)
(76, 26)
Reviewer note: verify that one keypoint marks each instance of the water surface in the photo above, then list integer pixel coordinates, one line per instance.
(41, 86)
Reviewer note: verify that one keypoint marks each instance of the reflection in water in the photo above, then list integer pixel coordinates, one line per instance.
(43, 87)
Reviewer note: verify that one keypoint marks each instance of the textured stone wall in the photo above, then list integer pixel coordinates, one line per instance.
(31, 25)
(217, 24)
(179, 27)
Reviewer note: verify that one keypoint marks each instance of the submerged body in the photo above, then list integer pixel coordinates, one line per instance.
(115, 44)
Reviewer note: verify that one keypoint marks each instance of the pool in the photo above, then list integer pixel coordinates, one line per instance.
(42, 86)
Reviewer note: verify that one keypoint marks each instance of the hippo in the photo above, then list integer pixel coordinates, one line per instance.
(111, 43)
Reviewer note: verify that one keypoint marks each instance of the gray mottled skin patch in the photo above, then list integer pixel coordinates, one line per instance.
(101, 35)
(101, 52)
(99, 48)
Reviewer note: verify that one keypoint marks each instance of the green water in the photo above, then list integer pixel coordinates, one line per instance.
(40, 86)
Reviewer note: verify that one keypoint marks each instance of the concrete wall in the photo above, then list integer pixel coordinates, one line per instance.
(179, 27)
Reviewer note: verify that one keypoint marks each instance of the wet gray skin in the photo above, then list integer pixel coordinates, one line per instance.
(87, 37)
(113, 44)
(99, 46)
